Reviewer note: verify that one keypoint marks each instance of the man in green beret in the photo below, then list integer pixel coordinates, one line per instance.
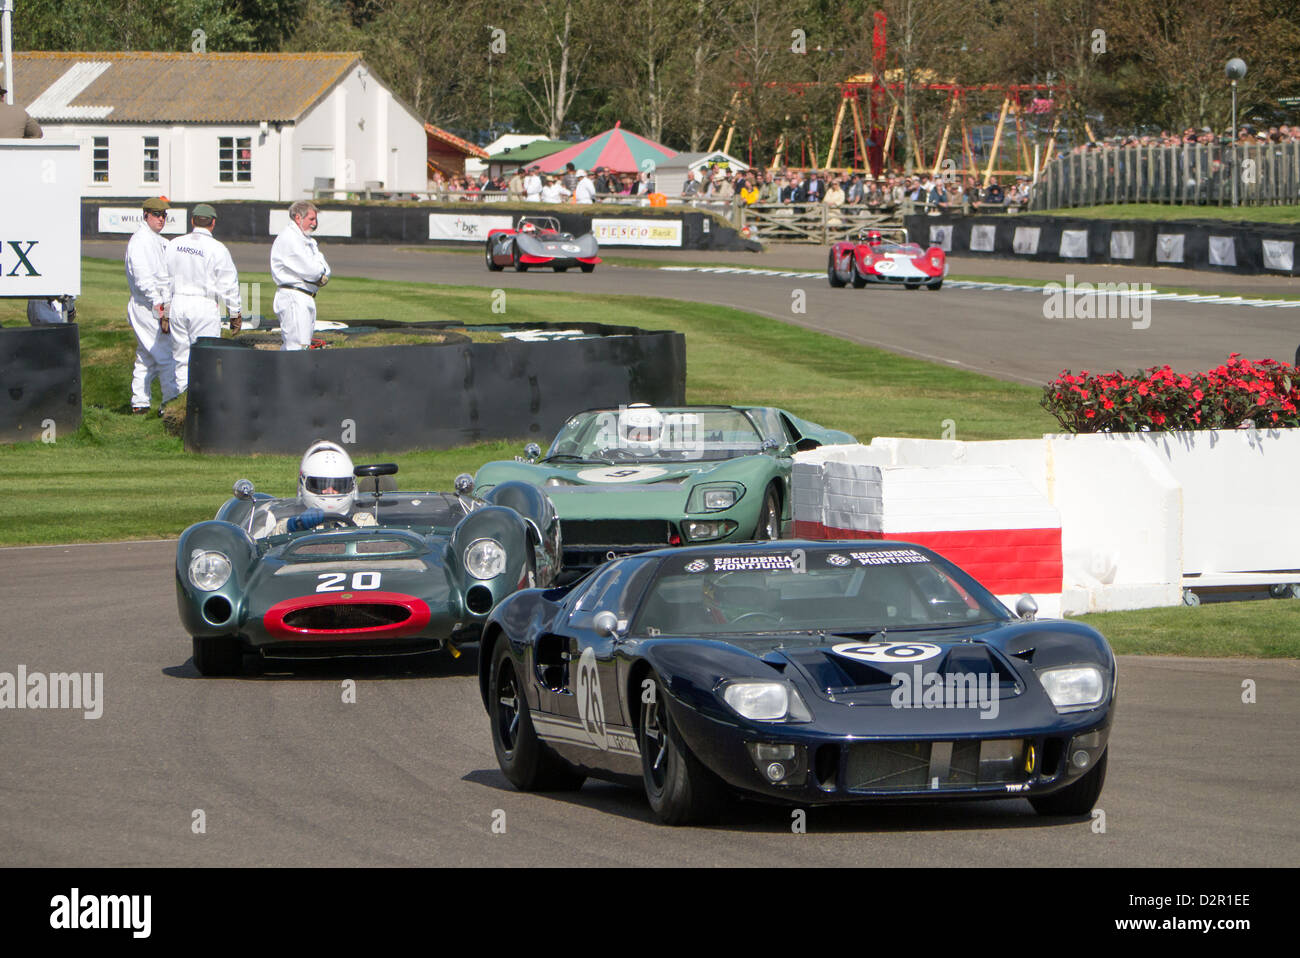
(202, 275)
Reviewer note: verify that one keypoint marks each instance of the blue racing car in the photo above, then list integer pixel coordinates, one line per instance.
(798, 672)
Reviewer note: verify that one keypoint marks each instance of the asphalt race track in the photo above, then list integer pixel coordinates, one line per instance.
(286, 773)
(282, 771)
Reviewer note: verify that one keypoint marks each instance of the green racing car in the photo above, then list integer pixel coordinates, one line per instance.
(634, 478)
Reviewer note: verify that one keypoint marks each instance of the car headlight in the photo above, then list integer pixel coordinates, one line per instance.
(766, 702)
(714, 497)
(1073, 689)
(485, 559)
(209, 571)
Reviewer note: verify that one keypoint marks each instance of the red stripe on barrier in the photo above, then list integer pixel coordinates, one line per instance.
(1004, 561)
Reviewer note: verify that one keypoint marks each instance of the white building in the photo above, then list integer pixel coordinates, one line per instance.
(216, 127)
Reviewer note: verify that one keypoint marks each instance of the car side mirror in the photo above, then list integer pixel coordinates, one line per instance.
(1026, 607)
(463, 484)
(243, 489)
(769, 445)
(605, 624)
(532, 451)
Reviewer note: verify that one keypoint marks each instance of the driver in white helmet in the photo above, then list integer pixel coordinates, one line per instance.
(641, 430)
(326, 486)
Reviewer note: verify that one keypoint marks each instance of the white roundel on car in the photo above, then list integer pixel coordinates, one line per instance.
(884, 265)
(591, 704)
(876, 652)
(621, 474)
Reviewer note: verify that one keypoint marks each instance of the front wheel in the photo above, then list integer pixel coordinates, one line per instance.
(218, 655)
(680, 790)
(523, 757)
(491, 264)
(935, 283)
(858, 279)
(832, 274)
(1076, 799)
(587, 267)
(520, 265)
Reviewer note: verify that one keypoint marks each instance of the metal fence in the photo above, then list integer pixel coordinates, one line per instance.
(807, 223)
(1198, 174)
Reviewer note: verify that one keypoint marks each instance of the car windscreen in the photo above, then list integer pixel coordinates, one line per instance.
(646, 434)
(845, 588)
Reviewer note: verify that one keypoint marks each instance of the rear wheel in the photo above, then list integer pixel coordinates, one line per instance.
(680, 790)
(1076, 799)
(769, 520)
(218, 655)
(832, 274)
(523, 757)
(487, 255)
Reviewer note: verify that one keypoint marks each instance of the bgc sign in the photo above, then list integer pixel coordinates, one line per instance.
(40, 218)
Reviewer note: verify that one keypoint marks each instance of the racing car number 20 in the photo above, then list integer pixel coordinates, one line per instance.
(333, 581)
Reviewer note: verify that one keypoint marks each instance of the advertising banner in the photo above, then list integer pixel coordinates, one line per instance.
(628, 232)
(466, 227)
(125, 219)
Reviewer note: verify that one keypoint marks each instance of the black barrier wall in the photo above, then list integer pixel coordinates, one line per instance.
(396, 398)
(394, 223)
(1243, 248)
(40, 382)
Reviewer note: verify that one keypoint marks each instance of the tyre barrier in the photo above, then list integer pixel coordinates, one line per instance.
(40, 382)
(1215, 245)
(398, 398)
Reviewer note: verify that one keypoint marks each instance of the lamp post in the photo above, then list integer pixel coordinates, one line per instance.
(1235, 70)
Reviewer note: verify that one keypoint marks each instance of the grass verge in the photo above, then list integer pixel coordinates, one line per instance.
(1265, 629)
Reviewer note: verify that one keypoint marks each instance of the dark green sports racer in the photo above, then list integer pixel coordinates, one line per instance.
(639, 477)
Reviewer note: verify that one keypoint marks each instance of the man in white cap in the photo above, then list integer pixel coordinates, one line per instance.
(299, 270)
(146, 276)
(202, 276)
(584, 191)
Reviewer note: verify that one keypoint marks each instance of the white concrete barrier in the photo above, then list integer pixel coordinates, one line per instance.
(1141, 514)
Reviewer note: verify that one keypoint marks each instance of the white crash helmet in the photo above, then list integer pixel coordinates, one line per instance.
(641, 429)
(325, 479)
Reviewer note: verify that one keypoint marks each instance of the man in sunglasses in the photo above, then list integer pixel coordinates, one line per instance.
(147, 278)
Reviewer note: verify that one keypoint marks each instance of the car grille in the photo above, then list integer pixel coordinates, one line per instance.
(645, 533)
(930, 766)
(336, 618)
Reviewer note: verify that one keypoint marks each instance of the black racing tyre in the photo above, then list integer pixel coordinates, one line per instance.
(681, 791)
(858, 279)
(769, 519)
(218, 655)
(832, 275)
(520, 266)
(523, 757)
(587, 267)
(935, 283)
(494, 267)
(1076, 799)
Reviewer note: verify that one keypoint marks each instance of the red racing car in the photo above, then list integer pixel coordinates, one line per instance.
(538, 241)
(874, 258)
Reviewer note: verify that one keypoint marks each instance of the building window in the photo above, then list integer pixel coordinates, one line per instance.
(235, 159)
(101, 159)
(151, 159)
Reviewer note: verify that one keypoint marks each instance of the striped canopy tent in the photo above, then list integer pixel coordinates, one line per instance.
(616, 149)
